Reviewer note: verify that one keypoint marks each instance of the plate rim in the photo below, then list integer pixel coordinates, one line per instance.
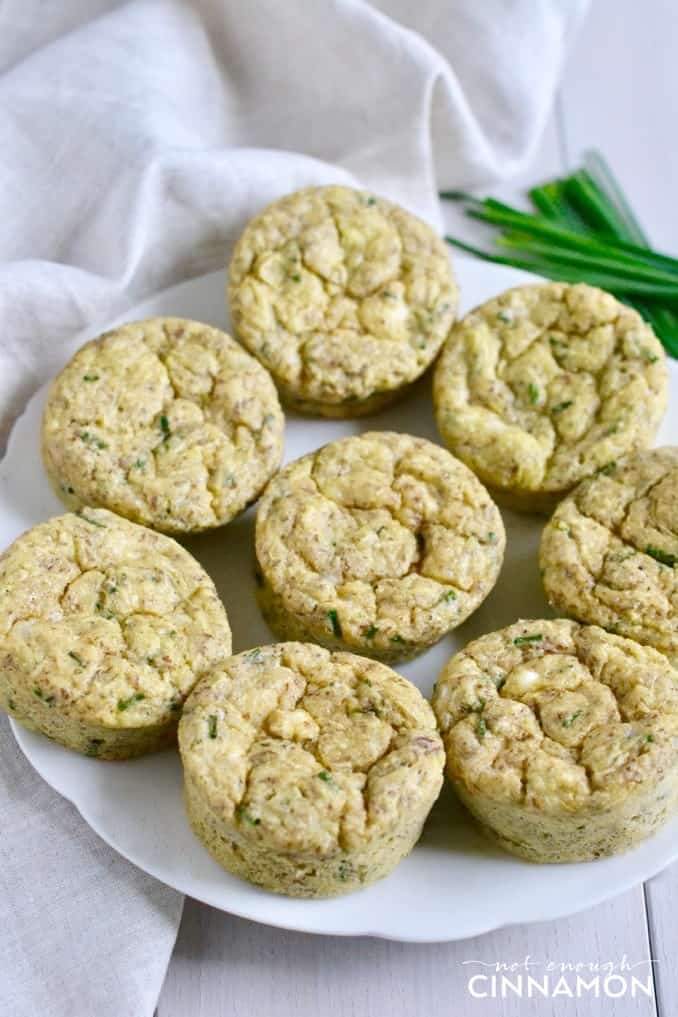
(481, 929)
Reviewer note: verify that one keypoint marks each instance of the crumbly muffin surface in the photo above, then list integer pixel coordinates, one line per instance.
(556, 715)
(167, 422)
(379, 543)
(546, 384)
(105, 627)
(561, 739)
(609, 554)
(304, 761)
(345, 297)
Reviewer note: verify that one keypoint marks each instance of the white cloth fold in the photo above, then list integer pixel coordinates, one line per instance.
(84, 932)
(137, 138)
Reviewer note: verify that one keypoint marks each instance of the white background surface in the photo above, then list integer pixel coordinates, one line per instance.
(620, 93)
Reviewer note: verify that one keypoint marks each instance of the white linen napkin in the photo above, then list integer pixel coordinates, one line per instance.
(137, 138)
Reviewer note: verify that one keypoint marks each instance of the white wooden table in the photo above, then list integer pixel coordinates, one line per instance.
(619, 94)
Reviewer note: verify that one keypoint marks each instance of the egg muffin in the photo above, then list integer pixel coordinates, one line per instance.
(167, 422)
(345, 297)
(307, 772)
(545, 384)
(379, 543)
(561, 739)
(105, 627)
(609, 554)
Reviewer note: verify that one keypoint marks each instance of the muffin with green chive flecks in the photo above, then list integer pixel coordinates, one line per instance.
(545, 385)
(307, 772)
(167, 422)
(609, 554)
(561, 739)
(105, 627)
(379, 544)
(345, 297)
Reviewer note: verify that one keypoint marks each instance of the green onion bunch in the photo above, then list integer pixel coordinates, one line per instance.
(583, 230)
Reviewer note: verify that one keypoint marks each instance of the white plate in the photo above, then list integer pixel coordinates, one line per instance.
(455, 884)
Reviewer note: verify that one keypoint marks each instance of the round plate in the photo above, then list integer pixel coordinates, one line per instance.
(455, 883)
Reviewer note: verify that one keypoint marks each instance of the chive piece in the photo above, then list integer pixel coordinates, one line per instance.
(335, 623)
(648, 738)
(165, 427)
(92, 439)
(124, 704)
(559, 407)
(448, 596)
(371, 201)
(625, 225)
(481, 727)
(90, 377)
(533, 393)
(498, 214)
(397, 638)
(76, 658)
(586, 232)
(505, 316)
(550, 200)
(613, 282)
(92, 522)
(663, 557)
(325, 777)
(295, 277)
(371, 632)
(344, 870)
(255, 655)
(608, 468)
(212, 725)
(521, 224)
(569, 721)
(37, 691)
(242, 813)
(103, 611)
(491, 537)
(139, 464)
(623, 270)
(535, 637)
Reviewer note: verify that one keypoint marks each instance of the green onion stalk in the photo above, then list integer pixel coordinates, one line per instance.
(583, 230)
